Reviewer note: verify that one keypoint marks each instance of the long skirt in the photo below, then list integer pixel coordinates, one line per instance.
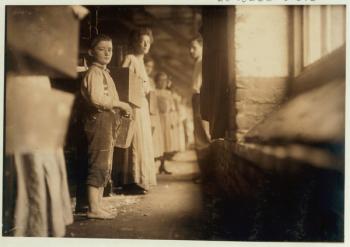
(157, 135)
(137, 162)
(166, 124)
(175, 131)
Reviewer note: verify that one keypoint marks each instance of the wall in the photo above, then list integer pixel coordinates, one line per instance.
(261, 44)
(289, 202)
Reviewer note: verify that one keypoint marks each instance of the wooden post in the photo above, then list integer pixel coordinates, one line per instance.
(218, 89)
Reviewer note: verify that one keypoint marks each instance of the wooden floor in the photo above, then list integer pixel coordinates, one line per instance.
(173, 209)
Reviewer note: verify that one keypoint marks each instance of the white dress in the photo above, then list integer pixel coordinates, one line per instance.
(157, 134)
(142, 160)
(165, 104)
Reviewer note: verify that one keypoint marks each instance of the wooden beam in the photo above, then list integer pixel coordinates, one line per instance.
(320, 72)
(165, 27)
(169, 50)
(181, 38)
(184, 20)
(178, 69)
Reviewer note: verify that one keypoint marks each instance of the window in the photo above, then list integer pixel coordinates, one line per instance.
(317, 31)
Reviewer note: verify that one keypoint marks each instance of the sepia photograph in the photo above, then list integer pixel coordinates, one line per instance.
(175, 122)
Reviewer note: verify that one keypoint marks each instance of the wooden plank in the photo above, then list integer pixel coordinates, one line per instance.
(287, 158)
(36, 117)
(46, 36)
(128, 85)
(316, 117)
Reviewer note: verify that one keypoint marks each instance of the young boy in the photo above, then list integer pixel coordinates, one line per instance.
(101, 103)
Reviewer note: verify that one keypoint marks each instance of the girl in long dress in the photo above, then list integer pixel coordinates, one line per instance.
(165, 107)
(141, 164)
(155, 119)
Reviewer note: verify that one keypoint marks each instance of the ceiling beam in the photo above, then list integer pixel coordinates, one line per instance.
(163, 46)
(182, 39)
(165, 27)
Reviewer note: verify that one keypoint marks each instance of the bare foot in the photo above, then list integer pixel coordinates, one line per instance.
(100, 215)
(106, 210)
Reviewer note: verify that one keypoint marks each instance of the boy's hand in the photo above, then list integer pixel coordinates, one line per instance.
(126, 107)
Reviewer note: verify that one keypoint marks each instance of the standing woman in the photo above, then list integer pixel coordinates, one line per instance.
(141, 166)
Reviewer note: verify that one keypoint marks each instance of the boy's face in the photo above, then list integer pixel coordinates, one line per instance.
(196, 50)
(103, 52)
